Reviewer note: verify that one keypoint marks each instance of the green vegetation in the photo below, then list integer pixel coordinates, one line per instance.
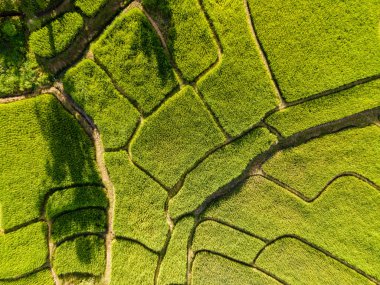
(326, 109)
(139, 202)
(349, 229)
(84, 255)
(132, 264)
(75, 198)
(297, 263)
(55, 37)
(42, 147)
(189, 38)
(140, 68)
(239, 90)
(174, 264)
(93, 91)
(41, 278)
(90, 7)
(175, 137)
(19, 70)
(79, 221)
(28, 7)
(23, 250)
(219, 238)
(311, 166)
(317, 46)
(219, 169)
(211, 269)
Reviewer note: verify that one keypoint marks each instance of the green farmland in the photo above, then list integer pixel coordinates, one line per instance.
(189, 142)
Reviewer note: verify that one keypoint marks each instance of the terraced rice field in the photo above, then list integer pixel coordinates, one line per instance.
(198, 142)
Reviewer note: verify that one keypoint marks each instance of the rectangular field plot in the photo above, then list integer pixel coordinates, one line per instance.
(326, 109)
(132, 54)
(189, 37)
(239, 89)
(313, 46)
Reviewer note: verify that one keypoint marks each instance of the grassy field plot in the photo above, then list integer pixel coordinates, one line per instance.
(175, 137)
(298, 263)
(56, 36)
(130, 50)
(348, 230)
(40, 278)
(188, 34)
(93, 91)
(23, 251)
(140, 202)
(42, 147)
(326, 109)
(239, 89)
(321, 45)
(311, 166)
(132, 264)
(219, 169)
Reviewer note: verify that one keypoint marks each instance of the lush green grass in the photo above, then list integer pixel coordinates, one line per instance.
(140, 68)
(211, 269)
(79, 221)
(23, 250)
(175, 137)
(174, 264)
(219, 169)
(55, 37)
(217, 237)
(326, 109)
(42, 147)
(84, 255)
(75, 198)
(41, 278)
(132, 264)
(297, 263)
(90, 7)
(139, 202)
(320, 45)
(93, 91)
(239, 89)
(189, 37)
(311, 166)
(19, 70)
(344, 220)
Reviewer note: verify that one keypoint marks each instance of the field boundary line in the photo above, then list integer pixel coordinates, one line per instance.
(136, 241)
(45, 266)
(22, 225)
(320, 249)
(264, 56)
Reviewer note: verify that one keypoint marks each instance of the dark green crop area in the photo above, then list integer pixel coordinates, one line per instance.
(189, 142)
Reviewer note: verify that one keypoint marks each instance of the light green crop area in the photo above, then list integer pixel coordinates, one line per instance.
(298, 263)
(132, 264)
(23, 251)
(223, 239)
(40, 278)
(311, 166)
(131, 51)
(214, 270)
(93, 91)
(90, 7)
(326, 109)
(348, 230)
(318, 45)
(140, 202)
(56, 36)
(42, 147)
(175, 137)
(238, 89)
(219, 169)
